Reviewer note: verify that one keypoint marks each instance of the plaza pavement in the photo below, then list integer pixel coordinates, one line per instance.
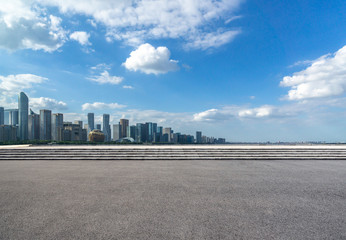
(165, 199)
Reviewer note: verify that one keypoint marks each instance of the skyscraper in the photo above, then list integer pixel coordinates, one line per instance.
(90, 122)
(140, 132)
(2, 116)
(149, 132)
(57, 126)
(167, 134)
(23, 112)
(45, 124)
(33, 126)
(116, 132)
(198, 137)
(98, 126)
(124, 123)
(131, 132)
(11, 117)
(106, 127)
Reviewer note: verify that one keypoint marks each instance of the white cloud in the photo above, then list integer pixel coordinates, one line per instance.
(47, 103)
(149, 60)
(162, 118)
(326, 77)
(23, 25)
(105, 78)
(227, 113)
(101, 67)
(260, 112)
(127, 87)
(212, 40)
(135, 21)
(11, 85)
(81, 37)
(101, 106)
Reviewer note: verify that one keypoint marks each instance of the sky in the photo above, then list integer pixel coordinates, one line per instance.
(238, 69)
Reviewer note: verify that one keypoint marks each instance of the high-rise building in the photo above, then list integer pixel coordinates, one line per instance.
(158, 134)
(90, 122)
(116, 132)
(124, 123)
(33, 126)
(106, 128)
(98, 127)
(149, 132)
(11, 117)
(45, 124)
(8, 133)
(198, 137)
(2, 116)
(167, 133)
(57, 126)
(131, 132)
(23, 111)
(140, 132)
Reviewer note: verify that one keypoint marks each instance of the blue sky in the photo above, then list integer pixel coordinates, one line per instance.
(242, 70)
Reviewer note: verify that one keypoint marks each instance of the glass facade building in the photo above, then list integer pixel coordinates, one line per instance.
(45, 124)
(23, 113)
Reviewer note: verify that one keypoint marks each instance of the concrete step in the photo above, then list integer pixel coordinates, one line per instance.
(47, 153)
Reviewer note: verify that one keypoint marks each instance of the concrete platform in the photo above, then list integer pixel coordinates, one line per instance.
(167, 199)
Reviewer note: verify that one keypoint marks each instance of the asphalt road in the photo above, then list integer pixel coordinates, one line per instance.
(172, 200)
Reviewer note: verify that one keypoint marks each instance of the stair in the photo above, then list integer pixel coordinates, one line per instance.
(173, 153)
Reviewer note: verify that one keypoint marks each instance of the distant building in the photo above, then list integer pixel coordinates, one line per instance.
(90, 122)
(11, 117)
(106, 128)
(23, 112)
(74, 132)
(140, 132)
(45, 124)
(131, 132)
(8, 133)
(96, 136)
(149, 132)
(33, 126)
(2, 116)
(158, 134)
(116, 132)
(98, 127)
(167, 134)
(57, 126)
(80, 123)
(198, 137)
(124, 123)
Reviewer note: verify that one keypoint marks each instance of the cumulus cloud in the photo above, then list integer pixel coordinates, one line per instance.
(227, 113)
(148, 59)
(47, 103)
(325, 77)
(24, 26)
(101, 106)
(81, 37)
(260, 112)
(135, 21)
(105, 78)
(13, 84)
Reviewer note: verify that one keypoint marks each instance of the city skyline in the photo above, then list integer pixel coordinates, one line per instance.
(237, 69)
(19, 125)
